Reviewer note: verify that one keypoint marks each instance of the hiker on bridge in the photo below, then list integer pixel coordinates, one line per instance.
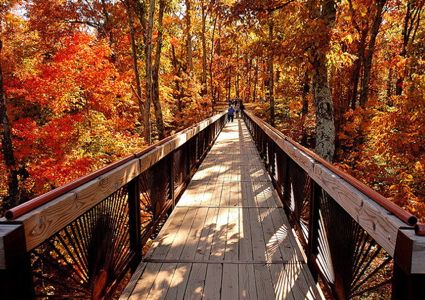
(230, 113)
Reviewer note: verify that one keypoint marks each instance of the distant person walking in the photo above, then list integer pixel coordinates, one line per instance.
(238, 108)
(230, 114)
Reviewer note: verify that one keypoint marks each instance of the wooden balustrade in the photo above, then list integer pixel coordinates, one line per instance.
(81, 240)
(356, 241)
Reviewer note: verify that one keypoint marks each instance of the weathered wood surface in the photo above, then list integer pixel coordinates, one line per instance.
(228, 237)
(380, 224)
(47, 219)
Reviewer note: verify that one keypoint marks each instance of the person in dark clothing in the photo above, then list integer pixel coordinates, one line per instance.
(230, 114)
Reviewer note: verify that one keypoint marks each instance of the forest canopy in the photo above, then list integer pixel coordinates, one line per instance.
(85, 82)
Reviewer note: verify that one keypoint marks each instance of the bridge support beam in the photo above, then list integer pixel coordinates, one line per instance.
(15, 268)
(409, 266)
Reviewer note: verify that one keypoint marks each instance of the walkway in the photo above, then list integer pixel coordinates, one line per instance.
(228, 237)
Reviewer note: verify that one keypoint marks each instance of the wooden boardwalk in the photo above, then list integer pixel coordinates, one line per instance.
(228, 237)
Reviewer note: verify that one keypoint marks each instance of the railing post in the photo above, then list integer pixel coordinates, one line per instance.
(409, 266)
(15, 267)
(133, 190)
(172, 175)
(313, 228)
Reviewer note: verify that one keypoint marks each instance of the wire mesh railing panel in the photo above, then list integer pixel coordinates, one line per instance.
(340, 253)
(88, 257)
(90, 252)
(154, 187)
(352, 263)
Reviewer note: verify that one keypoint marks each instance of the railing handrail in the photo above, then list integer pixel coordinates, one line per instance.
(390, 226)
(56, 208)
(38, 201)
(335, 216)
(393, 208)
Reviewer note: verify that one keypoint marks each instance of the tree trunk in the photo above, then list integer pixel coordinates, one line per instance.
(189, 54)
(148, 75)
(155, 75)
(355, 76)
(204, 51)
(367, 67)
(390, 86)
(229, 83)
(12, 199)
(325, 127)
(254, 93)
(304, 110)
(411, 24)
(177, 71)
(270, 73)
(134, 58)
(213, 97)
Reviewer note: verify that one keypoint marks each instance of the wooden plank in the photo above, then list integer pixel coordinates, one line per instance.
(271, 238)
(416, 245)
(178, 283)
(162, 282)
(196, 283)
(12, 241)
(247, 287)
(235, 194)
(46, 220)
(245, 241)
(376, 220)
(133, 281)
(167, 235)
(230, 286)
(179, 242)
(280, 280)
(213, 282)
(218, 245)
(143, 286)
(283, 233)
(232, 237)
(263, 282)
(248, 198)
(258, 243)
(225, 194)
(207, 234)
(194, 234)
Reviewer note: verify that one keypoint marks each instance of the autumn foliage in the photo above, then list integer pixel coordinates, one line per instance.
(87, 82)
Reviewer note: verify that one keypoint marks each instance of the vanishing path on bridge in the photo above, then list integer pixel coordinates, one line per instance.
(228, 236)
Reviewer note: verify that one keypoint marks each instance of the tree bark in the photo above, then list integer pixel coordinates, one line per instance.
(204, 50)
(134, 58)
(12, 199)
(304, 110)
(410, 26)
(189, 53)
(270, 73)
(155, 98)
(213, 97)
(355, 76)
(177, 71)
(254, 92)
(325, 127)
(148, 75)
(367, 68)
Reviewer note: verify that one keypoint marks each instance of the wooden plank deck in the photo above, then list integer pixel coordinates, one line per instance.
(228, 237)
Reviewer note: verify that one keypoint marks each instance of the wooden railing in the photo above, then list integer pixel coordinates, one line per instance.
(357, 243)
(80, 241)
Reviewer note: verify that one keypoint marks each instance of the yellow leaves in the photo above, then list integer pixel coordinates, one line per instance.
(419, 167)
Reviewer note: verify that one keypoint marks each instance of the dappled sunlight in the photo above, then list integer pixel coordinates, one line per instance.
(229, 231)
(274, 242)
